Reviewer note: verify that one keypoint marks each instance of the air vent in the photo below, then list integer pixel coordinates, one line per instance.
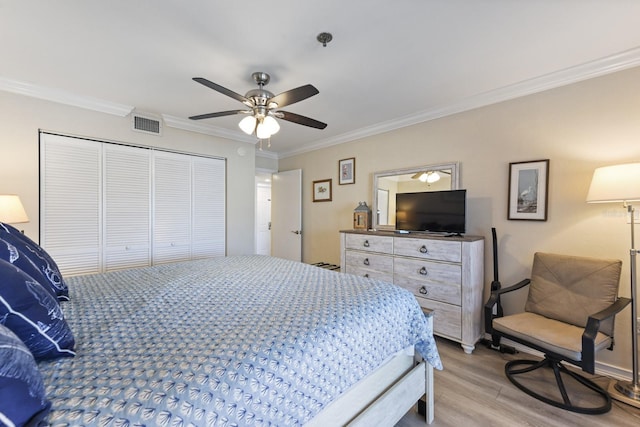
(147, 124)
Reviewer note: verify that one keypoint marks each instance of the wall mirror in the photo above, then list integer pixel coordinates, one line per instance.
(387, 184)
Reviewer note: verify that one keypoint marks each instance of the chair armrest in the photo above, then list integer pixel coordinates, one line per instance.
(493, 300)
(495, 295)
(613, 309)
(593, 326)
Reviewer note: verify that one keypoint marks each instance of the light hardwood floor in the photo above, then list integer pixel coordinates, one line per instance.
(472, 390)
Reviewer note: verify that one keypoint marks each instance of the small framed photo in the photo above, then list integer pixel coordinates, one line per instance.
(347, 171)
(528, 190)
(322, 190)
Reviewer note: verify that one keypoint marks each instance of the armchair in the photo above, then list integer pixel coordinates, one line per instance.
(569, 316)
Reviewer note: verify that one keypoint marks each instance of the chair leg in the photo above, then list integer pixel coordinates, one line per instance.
(514, 368)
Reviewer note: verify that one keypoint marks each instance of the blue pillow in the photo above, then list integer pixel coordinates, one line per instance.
(33, 314)
(39, 257)
(22, 392)
(10, 253)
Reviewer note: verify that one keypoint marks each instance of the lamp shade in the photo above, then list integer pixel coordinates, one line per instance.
(272, 125)
(433, 177)
(11, 209)
(620, 183)
(248, 124)
(267, 127)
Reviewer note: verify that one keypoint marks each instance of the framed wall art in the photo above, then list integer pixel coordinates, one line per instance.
(322, 190)
(528, 190)
(347, 171)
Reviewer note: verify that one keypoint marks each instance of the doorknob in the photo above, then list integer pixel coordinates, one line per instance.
(296, 231)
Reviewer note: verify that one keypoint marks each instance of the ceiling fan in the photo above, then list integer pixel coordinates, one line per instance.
(264, 105)
(429, 176)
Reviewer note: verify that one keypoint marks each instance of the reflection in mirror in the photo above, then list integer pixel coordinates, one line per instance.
(387, 184)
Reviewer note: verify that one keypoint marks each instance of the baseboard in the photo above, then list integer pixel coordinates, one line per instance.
(604, 369)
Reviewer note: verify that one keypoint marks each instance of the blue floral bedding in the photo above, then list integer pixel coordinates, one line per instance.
(248, 340)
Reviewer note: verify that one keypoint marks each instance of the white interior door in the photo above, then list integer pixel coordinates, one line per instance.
(263, 219)
(286, 215)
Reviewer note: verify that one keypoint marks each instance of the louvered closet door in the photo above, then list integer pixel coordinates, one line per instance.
(70, 199)
(171, 207)
(127, 207)
(208, 214)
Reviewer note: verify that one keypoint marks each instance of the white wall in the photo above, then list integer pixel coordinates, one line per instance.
(578, 127)
(22, 117)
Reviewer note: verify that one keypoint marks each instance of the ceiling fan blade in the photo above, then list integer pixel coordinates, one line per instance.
(294, 95)
(223, 90)
(218, 114)
(301, 120)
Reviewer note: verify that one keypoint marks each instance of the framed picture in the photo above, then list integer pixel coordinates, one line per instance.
(528, 188)
(322, 190)
(347, 171)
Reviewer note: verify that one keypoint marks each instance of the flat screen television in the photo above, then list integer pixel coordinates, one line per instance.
(432, 211)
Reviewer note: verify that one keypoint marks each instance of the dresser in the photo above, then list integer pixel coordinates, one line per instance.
(446, 274)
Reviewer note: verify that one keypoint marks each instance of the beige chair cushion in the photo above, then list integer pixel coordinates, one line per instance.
(559, 337)
(569, 288)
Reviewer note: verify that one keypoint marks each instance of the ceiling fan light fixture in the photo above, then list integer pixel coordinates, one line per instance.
(271, 124)
(262, 131)
(248, 124)
(429, 177)
(433, 177)
(261, 117)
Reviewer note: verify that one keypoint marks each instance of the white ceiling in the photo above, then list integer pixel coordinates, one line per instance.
(390, 64)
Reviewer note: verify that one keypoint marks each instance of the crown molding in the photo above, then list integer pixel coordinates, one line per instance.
(64, 97)
(610, 64)
(267, 154)
(194, 126)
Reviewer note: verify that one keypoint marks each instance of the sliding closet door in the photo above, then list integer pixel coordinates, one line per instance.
(70, 200)
(107, 206)
(127, 207)
(208, 210)
(171, 207)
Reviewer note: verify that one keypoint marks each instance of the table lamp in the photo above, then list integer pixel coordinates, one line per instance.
(11, 209)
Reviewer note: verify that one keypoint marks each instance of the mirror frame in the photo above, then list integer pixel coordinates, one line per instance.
(455, 183)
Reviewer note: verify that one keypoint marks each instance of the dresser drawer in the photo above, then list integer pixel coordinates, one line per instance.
(383, 244)
(449, 293)
(440, 250)
(447, 318)
(367, 261)
(425, 271)
(385, 276)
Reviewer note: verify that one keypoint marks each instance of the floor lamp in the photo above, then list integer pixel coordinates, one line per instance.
(621, 184)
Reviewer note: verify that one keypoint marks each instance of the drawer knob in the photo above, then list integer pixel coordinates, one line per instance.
(423, 249)
(366, 244)
(423, 271)
(423, 290)
(366, 261)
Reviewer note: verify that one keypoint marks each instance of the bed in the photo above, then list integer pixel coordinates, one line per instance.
(245, 340)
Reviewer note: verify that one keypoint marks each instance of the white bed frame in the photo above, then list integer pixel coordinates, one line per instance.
(383, 397)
